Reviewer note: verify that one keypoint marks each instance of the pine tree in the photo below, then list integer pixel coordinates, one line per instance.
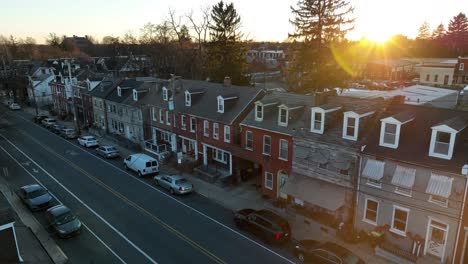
(318, 24)
(226, 51)
(439, 32)
(424, 31)
(457, 33)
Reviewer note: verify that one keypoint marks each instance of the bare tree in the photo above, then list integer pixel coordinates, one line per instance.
(200, 25)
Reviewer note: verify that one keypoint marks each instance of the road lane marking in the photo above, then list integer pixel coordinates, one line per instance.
(131, 203)
(79, 200)
(172, 198)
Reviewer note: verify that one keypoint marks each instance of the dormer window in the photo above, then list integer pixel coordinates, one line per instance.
(283, 116)
(220, 104)
(188, 99)
(317, 120)
(135, 95)
(119, 91)
(165, 94)
(390, 134)
(390, 129)
(258, 111)
(443, 137)
(350, 127)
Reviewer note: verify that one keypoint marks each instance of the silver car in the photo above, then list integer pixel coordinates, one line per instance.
(108, 152)
(174, 183)
(63, 221)
(35, 197)
(88, 141)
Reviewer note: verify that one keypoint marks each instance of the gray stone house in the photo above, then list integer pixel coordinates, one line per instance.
(98, 95)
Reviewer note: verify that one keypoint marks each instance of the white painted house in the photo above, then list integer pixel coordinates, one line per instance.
(38, 87)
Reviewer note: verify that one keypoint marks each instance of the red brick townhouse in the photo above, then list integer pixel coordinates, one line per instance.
(267, 138)
(61, 89)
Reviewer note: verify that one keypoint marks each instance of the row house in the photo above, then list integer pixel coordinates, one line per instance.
(200, 120)
(38, 85)
(325, 164)
(412, 184)
(83, 100)
(62, 95)
(124, 117)
(98, 96)
(267, 137)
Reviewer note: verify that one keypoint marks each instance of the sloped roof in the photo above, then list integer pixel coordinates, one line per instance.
(105, 87)
(415, 138)
(127, 86)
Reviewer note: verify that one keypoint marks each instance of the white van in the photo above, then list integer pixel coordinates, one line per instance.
(142, 164)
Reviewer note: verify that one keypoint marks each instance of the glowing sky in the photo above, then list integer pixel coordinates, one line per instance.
(261, 19)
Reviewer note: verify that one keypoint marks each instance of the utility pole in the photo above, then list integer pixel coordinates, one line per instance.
(75, 120)
(34, 95)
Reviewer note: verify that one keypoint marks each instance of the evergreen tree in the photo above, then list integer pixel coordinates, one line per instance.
(318, 25)
(439, 32)
(424, 31)
(226, 51)
(457, 33)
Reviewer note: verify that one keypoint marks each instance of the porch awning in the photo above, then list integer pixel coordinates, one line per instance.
(404, 177)
(316, 192)
(439, 185)
(373, 169)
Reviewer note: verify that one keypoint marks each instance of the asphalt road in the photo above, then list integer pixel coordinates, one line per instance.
(128, 220)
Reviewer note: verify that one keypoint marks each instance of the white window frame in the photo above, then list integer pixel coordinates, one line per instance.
(119, 91)
(168, 118)
(281, 141)
(183, 122)
(135, 95)
(223, 155)
(322, 123)
(374, 183)
(193, 124)
(259, 114)
(432, 152)
(155, 116)
(267, 153)
(206, 128)
(188, 99)
(382, 135)
(215, 130)
(227, 134)
(461, 67)
(281, 123)
(161, 116)
(220, 104)
(165, 94)
(392, 228)
(269, 183)
(404, 191)
(364, 217)
(247, 133)
(438, 202)
(347, 116)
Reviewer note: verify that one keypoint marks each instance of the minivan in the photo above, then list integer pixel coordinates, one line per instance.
(68, 133)
(48, 122)
(141, 164)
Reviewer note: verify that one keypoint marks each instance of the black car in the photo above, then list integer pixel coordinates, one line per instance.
(311, 251)
(57, 128)
(265, 224)
(63, 222)
(38, 118)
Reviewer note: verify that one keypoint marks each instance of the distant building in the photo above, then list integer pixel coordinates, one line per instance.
(75, 42)
(461, 71)
(395, 70)
(270, 58)
(437, 73)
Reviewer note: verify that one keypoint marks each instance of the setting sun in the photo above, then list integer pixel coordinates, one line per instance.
(379, 36)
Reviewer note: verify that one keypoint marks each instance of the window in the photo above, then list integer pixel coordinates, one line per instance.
(135, 95)
(165, 94)
(399, 220)
(168, 118)
(259, 112)
(442, 143)
(220, 104)
(283, 117)
(188, 99)
(350, 127)
(227, 134)
(438, 200)
(269, 180)
(192, 124)
(428, 77)
(266, 145)
(323, 166)
(283, 149)
(183, 122)
(374, 183)
(215, 130)
(403, 191)
(389, 135)
(206, 129)
(462, 66)
(155, 116)
(436, 78)
(220, 156)
(318, 121)
(371, 212)
(249, 140)
(161, 116)
(119, 91)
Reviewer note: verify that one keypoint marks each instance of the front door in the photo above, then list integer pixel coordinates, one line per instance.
(446, 78)
(437, 239)
(282, 178)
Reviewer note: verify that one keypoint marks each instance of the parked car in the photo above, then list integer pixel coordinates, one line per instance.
(142, 164)
(38, 118)
(35, 197)
(88, 141)
(63, 222)
(15, 106)
(57, 128)
(108, 152)
(68, 133)
(265, 224)
(311, 251)
(48, 122)
(174, 183)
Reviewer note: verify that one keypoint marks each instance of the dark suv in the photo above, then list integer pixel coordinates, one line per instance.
(265, 224)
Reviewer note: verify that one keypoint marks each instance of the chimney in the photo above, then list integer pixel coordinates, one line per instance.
(227, 81)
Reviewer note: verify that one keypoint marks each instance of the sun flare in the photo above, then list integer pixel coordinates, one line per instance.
(379, 37)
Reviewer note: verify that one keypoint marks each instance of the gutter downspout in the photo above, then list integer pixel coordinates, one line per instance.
(357, 188)
(461, 218)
